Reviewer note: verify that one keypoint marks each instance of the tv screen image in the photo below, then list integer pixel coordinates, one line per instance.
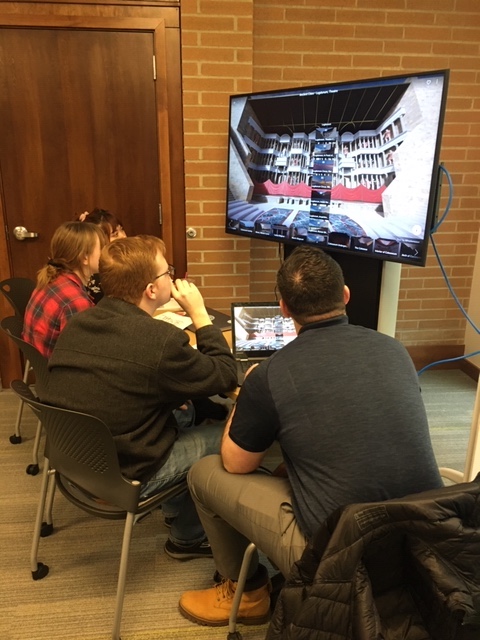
(350, 167)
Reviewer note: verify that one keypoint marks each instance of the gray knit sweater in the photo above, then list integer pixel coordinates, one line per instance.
(118, 363)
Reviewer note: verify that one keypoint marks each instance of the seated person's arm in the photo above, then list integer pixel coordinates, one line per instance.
(234, 458)
(251, 428)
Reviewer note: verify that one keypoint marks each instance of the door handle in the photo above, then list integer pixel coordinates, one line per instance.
(21, 233)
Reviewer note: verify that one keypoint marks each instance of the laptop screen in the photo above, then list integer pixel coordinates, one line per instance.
(259, 329)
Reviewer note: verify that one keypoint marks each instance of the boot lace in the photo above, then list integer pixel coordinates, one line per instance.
(225, 589)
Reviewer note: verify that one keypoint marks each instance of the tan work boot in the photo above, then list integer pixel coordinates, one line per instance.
(212, 607)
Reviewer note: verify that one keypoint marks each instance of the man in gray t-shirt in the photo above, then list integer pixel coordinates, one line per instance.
(344, 404)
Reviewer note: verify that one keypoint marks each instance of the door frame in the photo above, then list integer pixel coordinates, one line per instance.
(168, 96)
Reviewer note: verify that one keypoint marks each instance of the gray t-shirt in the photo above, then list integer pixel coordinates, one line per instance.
(344, 403)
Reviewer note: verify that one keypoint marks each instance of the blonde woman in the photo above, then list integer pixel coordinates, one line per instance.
(61, 284)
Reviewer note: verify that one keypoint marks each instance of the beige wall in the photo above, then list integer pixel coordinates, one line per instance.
(472, 336)
(235, 46)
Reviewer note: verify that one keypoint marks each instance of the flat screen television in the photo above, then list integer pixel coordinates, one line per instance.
(351, 167)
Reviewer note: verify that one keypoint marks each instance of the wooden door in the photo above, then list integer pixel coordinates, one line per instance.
(86, 120)
(78, 129)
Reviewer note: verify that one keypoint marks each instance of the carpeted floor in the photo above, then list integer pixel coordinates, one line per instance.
(76, 599)
(449, 397)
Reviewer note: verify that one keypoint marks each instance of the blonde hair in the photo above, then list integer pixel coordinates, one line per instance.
(71, 242)
(128, 265)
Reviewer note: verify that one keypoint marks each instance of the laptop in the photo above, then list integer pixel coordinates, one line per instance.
(258, 331)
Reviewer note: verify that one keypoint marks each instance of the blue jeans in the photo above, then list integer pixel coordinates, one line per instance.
(192, 443)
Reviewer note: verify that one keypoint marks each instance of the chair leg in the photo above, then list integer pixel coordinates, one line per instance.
(33, 469)
(122, 575)
(16, 438)
(233, 634)
(47, 524)
(40, 570)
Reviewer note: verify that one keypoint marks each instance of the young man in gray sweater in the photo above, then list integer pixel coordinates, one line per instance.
(139, 375)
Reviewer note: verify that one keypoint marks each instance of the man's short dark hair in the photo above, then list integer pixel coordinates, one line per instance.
(311, 284)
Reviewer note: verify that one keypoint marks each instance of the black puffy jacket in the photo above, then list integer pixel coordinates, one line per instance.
(404, 569)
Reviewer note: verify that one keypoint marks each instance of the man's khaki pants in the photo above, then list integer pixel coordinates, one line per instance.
(236, 509)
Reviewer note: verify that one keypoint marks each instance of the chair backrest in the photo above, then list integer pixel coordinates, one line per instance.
(81, 448)
(13, 327)
(18, 291)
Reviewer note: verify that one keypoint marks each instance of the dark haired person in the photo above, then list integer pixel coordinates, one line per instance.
(115, 361)
(61, 289)
(113, 230)
(345, 406)
(106, 220)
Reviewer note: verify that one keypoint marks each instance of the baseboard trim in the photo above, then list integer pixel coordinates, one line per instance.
(424, 355)
(470, 369)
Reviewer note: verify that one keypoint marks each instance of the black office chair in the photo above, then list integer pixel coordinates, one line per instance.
(18, 291)
(401, 568)
(422, 549)
(13, 326)
(80, 454)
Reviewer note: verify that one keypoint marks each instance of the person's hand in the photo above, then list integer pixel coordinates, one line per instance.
(190, 299)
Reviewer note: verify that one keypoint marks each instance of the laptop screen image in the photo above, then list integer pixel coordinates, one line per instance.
(259, 330)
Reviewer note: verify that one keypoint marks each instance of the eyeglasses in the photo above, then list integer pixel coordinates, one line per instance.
(170, 271)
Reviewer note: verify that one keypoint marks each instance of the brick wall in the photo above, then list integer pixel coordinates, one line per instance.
(254, 45)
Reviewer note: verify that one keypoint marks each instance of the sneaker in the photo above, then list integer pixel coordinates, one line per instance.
(181, 552)
(211, 607)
